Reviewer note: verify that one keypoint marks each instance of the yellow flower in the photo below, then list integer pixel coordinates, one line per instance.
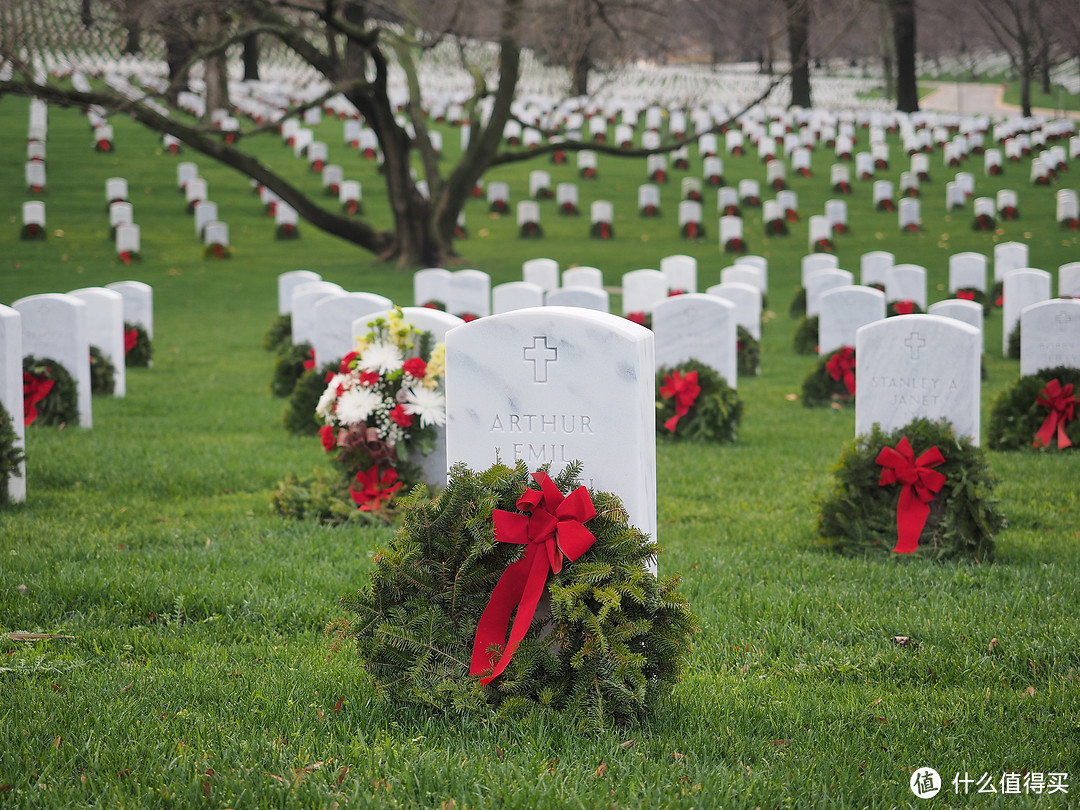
(436, 367)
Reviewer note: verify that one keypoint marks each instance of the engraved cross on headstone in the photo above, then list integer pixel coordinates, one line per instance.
(915, 341)
(1063, 320)
(540, 354)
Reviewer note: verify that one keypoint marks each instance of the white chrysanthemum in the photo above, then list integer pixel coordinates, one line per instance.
(429, 405)
(326, 401)
(381, 357)
(356, 405)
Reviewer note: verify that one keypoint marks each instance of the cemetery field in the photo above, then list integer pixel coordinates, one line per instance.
(182, 659)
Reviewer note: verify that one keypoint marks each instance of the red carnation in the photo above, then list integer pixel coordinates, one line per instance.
(416, 367)
(346, 362)
(309, 364)
(369, 378)
(326, 435)
(401, 417)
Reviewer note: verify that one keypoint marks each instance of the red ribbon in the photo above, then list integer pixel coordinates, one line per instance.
(842, 364)
(920, 484)
(1062, 404)
(905, 307)
(552, 528)
(131, 339)
(685, 390)
(966, 295)
(691, 230)
(35, 389)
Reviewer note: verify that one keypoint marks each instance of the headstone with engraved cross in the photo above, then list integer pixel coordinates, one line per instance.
(554, 385)
(1050, 335)
(914, 366)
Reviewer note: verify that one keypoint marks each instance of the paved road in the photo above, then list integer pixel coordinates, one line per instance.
(976, 99)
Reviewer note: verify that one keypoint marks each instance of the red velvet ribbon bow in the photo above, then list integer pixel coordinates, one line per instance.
(1062, 404)
(374, 488)
(905, 307)
(552, 528)
(685, 390)
(35, 389)
(920, 485)
(966, 295)
(842, 364)
(131, 339)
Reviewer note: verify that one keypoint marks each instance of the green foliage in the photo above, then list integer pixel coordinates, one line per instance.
(139, 355)
(278, 334)
(299, 416)
(61, 406)
(749, 353)
(714, 416)
(859, 515)
(289, 367)
(798, 304)
(1014, 343)
(805, 339)
(102, 373)
(619, 637)
(323, 498)
(11, 455)
(819, 389)
(1015, 417)
(891, 310)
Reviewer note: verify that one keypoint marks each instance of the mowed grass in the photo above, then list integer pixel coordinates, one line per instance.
(194, 670)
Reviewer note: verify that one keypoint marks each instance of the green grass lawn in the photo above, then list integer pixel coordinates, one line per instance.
(194, 670)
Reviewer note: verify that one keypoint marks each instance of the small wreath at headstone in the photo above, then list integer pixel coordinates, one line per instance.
(1034, 413)
(997, 293)
(289, 366)
(278, 334)
(102, 373)
(299, 416)
(608, 640)
(905, 307)
(976, 295)
(749, 353)
(805, 339)
(949, 511)
(798, 304)
(695, 403)
(50, 393)
(287, 230)
(832, 381)
(1014, 342)
(11, 455)
(137, 348)
(33, 230)
(435, 304)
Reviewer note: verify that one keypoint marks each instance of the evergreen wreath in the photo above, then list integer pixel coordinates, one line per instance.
(289, 366)
(102, 373)
(617, 639)
(299, 417)
(278, 334)
(712, 414)
(61, 405)
(976, 295)
(820, 389)
(798, 304)
(905, 307)
(1014, 342)
(11, 455)
(859, 515)
(1016, 417)
(749, 350)
(138, 351)
(805, 339)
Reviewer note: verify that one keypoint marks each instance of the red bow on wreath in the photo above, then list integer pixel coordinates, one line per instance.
(685, 390)
(1062, 404)
(35, 389)
(905, 307)
(553, 527)
(920, 485)
(131, 339)
(966, 295)
(842, 364)
(374, 488)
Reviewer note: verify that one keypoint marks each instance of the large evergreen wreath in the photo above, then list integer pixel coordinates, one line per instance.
(137, 349)
(805, 339)
(860, 514)
(832, 380)
(299, 416)
(289, 366)
(613, 640)
(797, 308)
(102, 373)
(60, 406)
(1017, 416)
(711, 413)
(11, 455)
(278, 334)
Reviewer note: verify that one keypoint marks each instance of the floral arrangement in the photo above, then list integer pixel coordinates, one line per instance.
(695, 403)
(431, 624)
(380, 411)
(11, 455)
(138, 352)
(919, 489)
(50, 393)
(832, 380)
(1038, 412)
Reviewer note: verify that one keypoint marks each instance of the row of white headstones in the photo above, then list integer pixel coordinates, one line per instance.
(62, 327)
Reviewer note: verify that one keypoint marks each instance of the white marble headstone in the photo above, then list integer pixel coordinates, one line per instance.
(906, 282)
(874, 267)
(516, 295)
(583, 277)
(304, 298)
(821, 282)
(1020, 289)
(747, 301)
(680, 272)
(698, 327)
(127, 239)
(185, 173)
(1009, 256)
(908, 213)
(642, 290)
(334, 316)
(121, 213)
(965, 311)
(33, 213)
(105, 329)
(1069, 280)
(813, 262)
(967, 271)
(116, 189)
(431, 284)
(55, 327)
(842, 311)
(138, 303)
(216, 233)
(205, 213)
(918, 366)
(544, 273)
(586, 297)
(1050, 335)
(11, 390)
(554, 385)
(469, 293)
(742, 274)
(287, 282)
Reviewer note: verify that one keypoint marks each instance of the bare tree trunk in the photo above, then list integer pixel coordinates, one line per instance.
(907, 88)
(887, 58)
(798, 29)
(251, 58)
(1025, 87)
(215, 66)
